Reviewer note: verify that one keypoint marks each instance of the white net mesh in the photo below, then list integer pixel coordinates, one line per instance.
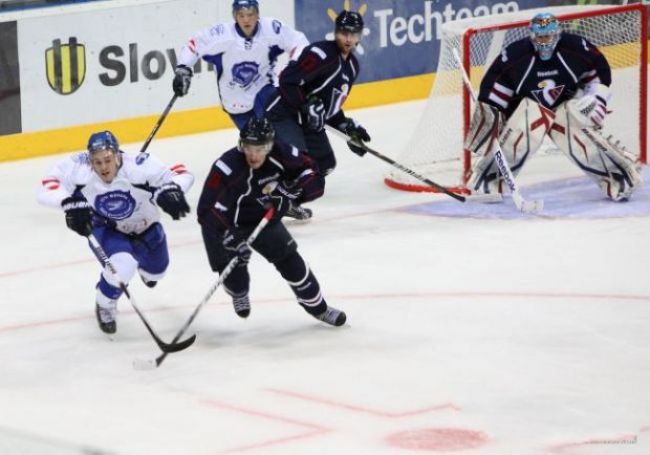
(435, 149)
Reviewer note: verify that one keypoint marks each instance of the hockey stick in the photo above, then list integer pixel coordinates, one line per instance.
(397, 165)
(150, 364)
(158, 124)
(165, 347)
(534, 206)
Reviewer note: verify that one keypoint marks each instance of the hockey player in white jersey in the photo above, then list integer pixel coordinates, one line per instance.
(553, 84)
(116, 196)
(244, 54)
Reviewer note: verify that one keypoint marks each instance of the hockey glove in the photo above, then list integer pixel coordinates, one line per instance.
(182, 80)
(235, 244)
(593, 109)
(283, 199)
(78, 214)
(171, 199)
(313, 114)
(357, 134)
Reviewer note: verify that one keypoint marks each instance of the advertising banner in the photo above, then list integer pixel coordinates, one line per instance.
(95, 64)
(9, 79)
(401, 37)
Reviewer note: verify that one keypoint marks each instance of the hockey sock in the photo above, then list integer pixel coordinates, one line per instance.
(303, 283)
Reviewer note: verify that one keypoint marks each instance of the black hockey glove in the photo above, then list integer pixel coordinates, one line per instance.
(235, 244)
(283, 198)
(356, 133)
(171, 199)
(182, 80)
(78, 215)
(313, 114)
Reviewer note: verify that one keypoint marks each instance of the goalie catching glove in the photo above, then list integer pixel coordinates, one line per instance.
(78, 214)
(357, 135)
(171, 199)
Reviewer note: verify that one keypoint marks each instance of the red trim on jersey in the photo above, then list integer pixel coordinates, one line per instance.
(51, 184)
(178, 169)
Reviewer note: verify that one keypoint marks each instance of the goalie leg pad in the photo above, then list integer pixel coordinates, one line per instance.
(521, 137)
(615, 170)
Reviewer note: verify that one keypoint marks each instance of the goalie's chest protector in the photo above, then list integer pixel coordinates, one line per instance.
(550, 82)
(519, 73)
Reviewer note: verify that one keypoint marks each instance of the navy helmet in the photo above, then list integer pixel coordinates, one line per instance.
(104, 140)
(241, 4)
(257, 131)
(349, 21)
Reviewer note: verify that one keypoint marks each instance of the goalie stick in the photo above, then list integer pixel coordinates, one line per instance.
(174, 346)
(150, 364)
(397, 165)
(523, 205)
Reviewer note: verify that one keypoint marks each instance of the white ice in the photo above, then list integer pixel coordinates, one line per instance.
(509, 334)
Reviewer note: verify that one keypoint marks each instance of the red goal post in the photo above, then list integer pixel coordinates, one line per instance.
(435, 148)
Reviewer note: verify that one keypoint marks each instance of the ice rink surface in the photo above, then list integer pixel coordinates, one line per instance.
(472, 329)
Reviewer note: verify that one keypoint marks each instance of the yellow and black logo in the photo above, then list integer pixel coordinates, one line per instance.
(65, 66)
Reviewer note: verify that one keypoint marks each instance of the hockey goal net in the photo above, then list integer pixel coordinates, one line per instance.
(435, 148)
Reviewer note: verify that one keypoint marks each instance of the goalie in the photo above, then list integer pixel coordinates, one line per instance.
(554, 84)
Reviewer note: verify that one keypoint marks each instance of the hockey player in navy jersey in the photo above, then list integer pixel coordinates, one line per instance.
(240, 187)
(311, 93)
(245, 54)
(116, 197)
(557, 84)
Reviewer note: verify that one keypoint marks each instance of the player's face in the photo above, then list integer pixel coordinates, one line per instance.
(347, 41)
(256, 154)
(105, 163)
(246, 18)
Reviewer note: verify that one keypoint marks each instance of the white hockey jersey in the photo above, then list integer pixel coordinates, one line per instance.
(243, 65)
(128, 200)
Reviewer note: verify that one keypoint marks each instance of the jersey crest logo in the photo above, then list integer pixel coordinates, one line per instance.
(277, 26)
(549, 93)
(65, 66)
(116, 205)
(245, 73)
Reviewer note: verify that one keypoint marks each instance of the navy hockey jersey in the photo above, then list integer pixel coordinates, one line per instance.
(519, 73)
(320, 71)
(234, 193)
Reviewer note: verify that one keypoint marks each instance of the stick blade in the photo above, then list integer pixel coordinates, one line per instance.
(181, 345)
(535, 206)
(145, 364)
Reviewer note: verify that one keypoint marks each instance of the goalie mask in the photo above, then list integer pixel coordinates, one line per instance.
(544, 34)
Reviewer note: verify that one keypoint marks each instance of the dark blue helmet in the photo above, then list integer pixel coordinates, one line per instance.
(104, 140)
(257, 131)
(239, 4)
(349, 21)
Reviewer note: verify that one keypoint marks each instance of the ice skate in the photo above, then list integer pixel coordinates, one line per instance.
(332, 316)
(242, 306)
(106, 317)
(299, 213)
